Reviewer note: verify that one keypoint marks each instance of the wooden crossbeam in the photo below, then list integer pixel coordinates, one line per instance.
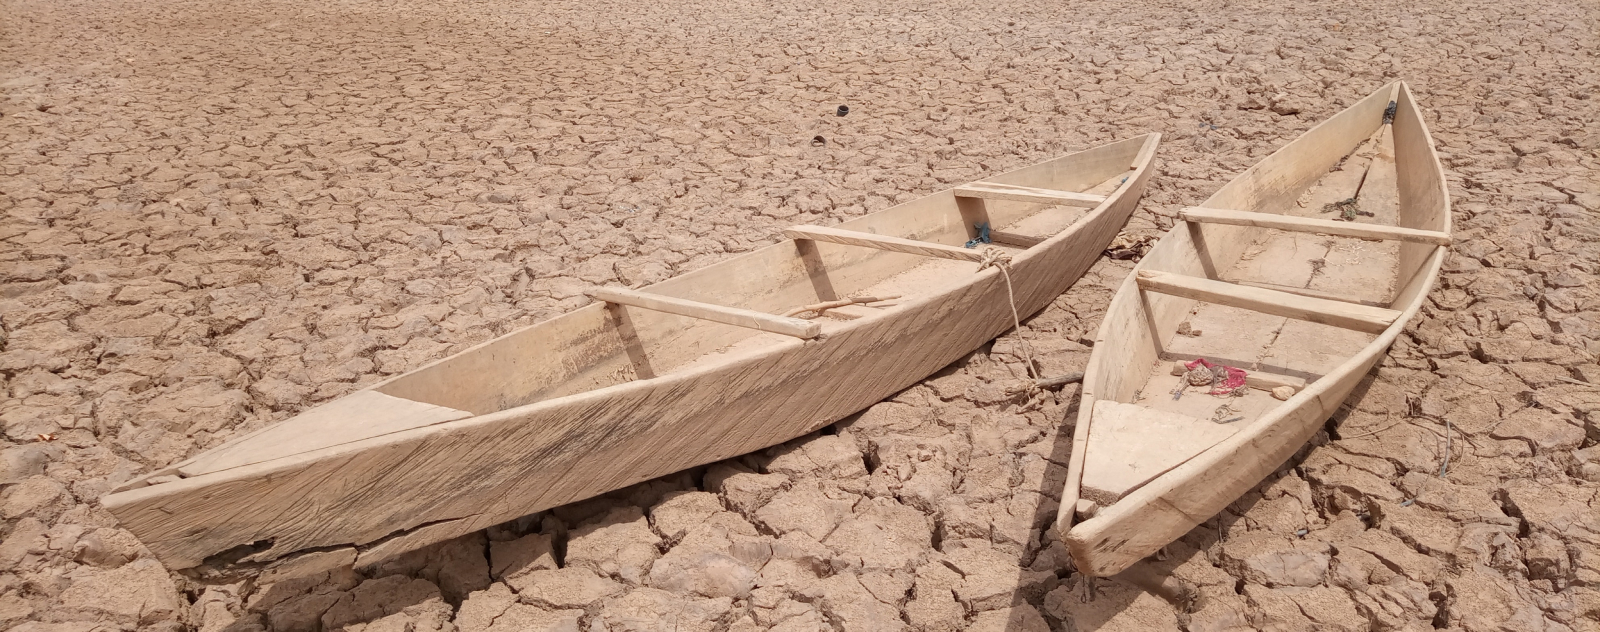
(997, 191)
(883, 242)
(1309, 225)
(1335, 313)
(738, 317)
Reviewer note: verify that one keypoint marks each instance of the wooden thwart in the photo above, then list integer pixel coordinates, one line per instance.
(1309, 225)
(1338, 314)
(997, 191)
(883, 242)
(751, 319)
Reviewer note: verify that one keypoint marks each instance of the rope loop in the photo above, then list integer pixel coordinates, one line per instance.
(997, 258)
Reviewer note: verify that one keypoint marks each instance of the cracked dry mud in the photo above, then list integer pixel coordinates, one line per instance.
(218, 214)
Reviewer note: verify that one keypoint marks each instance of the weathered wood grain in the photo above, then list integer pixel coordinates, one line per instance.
(362, 415)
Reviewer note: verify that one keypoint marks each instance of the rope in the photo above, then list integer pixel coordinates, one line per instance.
(997, 258)
(1444, 470)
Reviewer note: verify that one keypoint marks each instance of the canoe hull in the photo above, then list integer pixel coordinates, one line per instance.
(1166, 508)
(441, 481)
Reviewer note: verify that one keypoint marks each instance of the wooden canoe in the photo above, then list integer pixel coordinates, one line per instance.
(1260, 277)
(644, 382)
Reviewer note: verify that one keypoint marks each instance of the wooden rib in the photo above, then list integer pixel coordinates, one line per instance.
(883, 242)
(1347, 315)
(998, 191)
(1255, 379)
(1310, 225)
(1015, 239)
(705, 311)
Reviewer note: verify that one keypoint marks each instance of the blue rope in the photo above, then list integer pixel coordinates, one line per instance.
(983, 235)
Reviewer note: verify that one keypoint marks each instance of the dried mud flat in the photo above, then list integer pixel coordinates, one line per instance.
(218, 214)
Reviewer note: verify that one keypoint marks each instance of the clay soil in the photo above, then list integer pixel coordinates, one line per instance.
(217, 214)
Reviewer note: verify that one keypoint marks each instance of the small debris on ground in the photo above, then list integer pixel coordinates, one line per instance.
(1129, 248)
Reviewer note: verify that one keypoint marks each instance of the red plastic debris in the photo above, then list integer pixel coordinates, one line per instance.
(1232, 378)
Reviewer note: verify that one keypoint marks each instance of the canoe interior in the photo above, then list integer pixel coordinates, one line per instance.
(1391, 172)
(604, 345)
(598, 346)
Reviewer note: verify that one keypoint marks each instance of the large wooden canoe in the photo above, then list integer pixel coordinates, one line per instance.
(1265, 277)
(647, 381)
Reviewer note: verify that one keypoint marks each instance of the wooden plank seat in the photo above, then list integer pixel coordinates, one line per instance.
(998, 191)
(739, 317)
(1310, 225)
(884, 242)
(1363, 318)
(1122, 458)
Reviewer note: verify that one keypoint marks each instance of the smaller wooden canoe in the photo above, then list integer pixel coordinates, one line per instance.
(649, 381)
(1280, 274)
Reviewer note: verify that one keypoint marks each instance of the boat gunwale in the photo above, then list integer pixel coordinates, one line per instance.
(129, 494)
(1079, 536)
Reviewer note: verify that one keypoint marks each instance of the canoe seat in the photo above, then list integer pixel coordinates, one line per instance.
(1130, 445)
(1310, 225)
(998, 191)
(735, 316)
(1354, 316)
(884, 242)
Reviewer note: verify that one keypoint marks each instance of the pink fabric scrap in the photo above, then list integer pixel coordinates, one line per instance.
(1233, 382)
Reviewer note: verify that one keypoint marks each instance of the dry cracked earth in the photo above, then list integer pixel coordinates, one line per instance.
(218, 214)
